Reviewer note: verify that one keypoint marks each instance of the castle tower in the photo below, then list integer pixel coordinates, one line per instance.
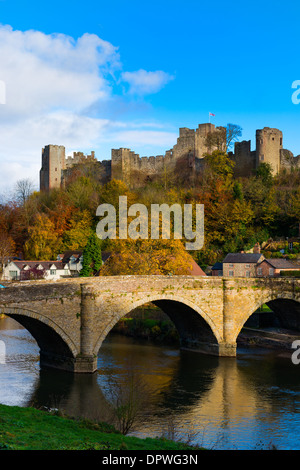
(53, 163)
(268, 147)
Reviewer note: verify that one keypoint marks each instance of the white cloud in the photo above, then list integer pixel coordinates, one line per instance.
(51, 81)
(142, 82)
(44, 72)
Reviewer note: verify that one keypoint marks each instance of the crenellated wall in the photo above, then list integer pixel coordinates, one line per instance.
(185, 158)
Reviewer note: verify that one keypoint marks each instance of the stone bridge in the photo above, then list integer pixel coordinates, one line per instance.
(70, 318)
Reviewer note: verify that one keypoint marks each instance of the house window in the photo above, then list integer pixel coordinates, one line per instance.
(52, 272)
(247, 273)
(271, 272)
(66, 271)
(262, 157)
(247, 266)
(259, 271)
(231, 273)
(231, 265)
(13, 274)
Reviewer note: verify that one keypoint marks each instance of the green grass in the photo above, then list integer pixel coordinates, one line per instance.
(32, 429)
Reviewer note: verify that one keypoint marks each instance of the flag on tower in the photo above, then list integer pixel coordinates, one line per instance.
(210, 114)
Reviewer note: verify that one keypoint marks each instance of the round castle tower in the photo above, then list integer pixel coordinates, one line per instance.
(268, 147)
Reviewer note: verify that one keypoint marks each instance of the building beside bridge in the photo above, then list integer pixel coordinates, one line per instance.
(254, 265)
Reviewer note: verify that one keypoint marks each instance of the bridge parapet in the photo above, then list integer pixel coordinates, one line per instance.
(70, 318)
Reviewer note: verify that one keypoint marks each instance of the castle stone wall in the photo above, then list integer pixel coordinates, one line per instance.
(268, 147)
(185, 159)
(53, 164)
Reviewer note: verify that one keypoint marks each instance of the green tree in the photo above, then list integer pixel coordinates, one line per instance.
(92, 258)
(264, 172)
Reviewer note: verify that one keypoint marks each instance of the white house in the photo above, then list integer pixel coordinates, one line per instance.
(26, 270)
(73, 259)
(68, 264)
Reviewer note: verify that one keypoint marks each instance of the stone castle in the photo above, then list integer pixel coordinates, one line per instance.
(186, 157)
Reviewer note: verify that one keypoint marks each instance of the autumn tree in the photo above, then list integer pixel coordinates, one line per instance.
(7, 250)
(111, 192)
(217, 166)
(160, 257)
(79, 231)
(43, 242)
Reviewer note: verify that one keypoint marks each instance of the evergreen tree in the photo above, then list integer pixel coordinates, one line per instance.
(92, 259)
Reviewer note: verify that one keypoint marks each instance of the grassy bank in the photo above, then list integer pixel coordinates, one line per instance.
(32, 429)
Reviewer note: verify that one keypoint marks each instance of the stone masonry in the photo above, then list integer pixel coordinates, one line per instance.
(187, 154)
(71, 318)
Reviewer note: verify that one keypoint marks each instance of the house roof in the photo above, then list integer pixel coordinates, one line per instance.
(67, 255)
(217, 266)
(33, 264)
(282, 263)
(242, 258)
(196, 270)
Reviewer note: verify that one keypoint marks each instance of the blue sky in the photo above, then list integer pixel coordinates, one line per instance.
(97, 75)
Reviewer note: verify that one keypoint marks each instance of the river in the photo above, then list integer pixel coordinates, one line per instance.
(248, 402)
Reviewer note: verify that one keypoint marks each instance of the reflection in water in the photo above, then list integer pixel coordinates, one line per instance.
(244, 403)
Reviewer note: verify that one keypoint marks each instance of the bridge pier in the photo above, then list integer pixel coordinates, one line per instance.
(70, 364)
(227, 349)
(213, 349)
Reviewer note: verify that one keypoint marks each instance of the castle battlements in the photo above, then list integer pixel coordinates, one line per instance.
(187, 154)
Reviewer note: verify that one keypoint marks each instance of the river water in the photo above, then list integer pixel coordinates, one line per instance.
(248, 402)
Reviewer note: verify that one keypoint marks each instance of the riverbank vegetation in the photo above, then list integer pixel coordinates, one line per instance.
(31, 429)
(148, 323)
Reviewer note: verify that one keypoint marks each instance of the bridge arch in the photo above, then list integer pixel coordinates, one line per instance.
(284, 304)
(189, 319)
(51, 339)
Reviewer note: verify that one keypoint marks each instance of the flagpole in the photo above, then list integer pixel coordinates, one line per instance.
(209, 118)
